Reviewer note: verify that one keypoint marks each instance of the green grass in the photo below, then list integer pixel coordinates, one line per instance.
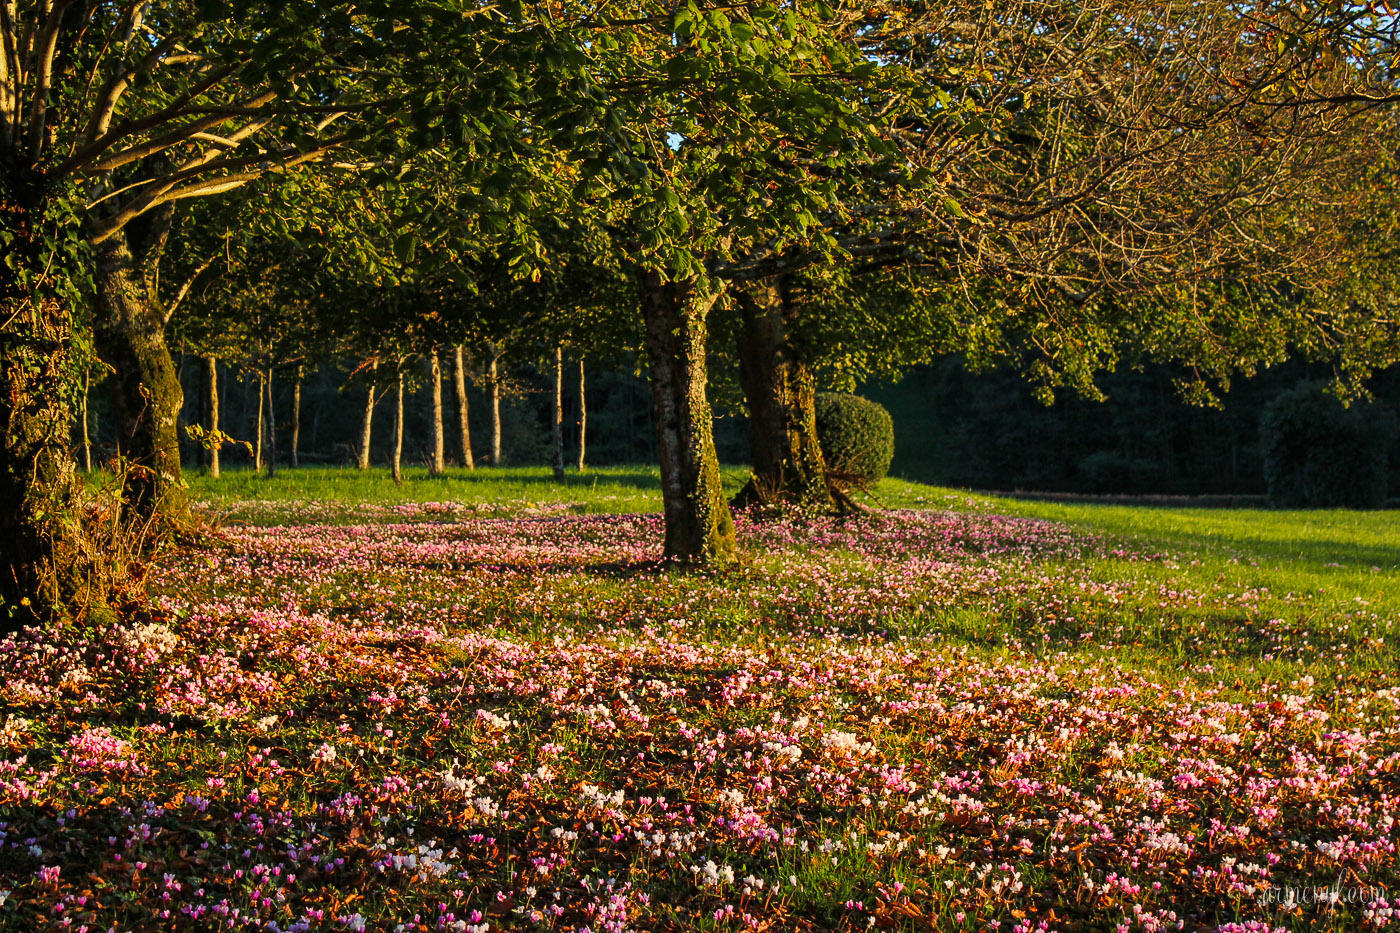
(1341, 556)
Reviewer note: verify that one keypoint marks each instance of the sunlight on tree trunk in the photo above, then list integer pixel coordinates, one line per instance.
(368, 421)
(582, 416)
(258, 443)
(214, 416)
(87, 441)
(296, 416)
(271, 428)
(460, 380)
(439, 465)
(493, 401)
(699, 527)
(398, 431)
(557, 418)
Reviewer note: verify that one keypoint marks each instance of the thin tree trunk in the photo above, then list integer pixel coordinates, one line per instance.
(296, 417)
(258, 444)
(87, 441)
(493, 401)
(439, 464)
(146, 395)
(582, 416)
(398, 431)
(699, 526)
(466, 430)
(214, 444)
(271, 428)
(368, 422)
(782, 397)
(558, 413)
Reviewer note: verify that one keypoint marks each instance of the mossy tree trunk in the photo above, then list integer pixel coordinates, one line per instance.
(47, 567)
(699, 526)
(460, 383)
(129, 328)
(781, 393)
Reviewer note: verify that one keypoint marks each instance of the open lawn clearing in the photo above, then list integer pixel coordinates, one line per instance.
(442, 715)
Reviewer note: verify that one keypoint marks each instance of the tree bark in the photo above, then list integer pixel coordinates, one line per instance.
(368, 422)
(466, 430)
(146, 396)
(781, 392)
(398, 431)
(582, 416)
(87, 441)
(296, 416)
(699, 527)
(493, 401)
(47, 568)
(214, 444)
(557, 427)
(439, 465)
(258, 443)
(271, 428)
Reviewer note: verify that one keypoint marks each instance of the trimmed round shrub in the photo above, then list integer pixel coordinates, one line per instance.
(856, 435)
(1319, 453)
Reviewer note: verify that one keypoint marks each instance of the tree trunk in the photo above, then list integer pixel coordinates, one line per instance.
(781, 392)
(47, 569)
(214, 444)
(557, 427)
(461, 385)
(582, 416)
(271, 428)
(368, 422)
(87, 441)
(493, 401)
(146, 395)
(296, 417)
(439, 465)
(398, 431)
(699, 527)
(258, 443)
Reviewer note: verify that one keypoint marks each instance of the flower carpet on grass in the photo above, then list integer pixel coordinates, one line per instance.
(438, 720)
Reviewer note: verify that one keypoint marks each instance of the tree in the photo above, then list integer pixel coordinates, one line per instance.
(228, 93)
(1107, 171)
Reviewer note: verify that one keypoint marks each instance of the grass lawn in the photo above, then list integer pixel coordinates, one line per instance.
(477, 703)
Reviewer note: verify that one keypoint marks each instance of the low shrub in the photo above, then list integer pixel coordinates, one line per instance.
(856, 435)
